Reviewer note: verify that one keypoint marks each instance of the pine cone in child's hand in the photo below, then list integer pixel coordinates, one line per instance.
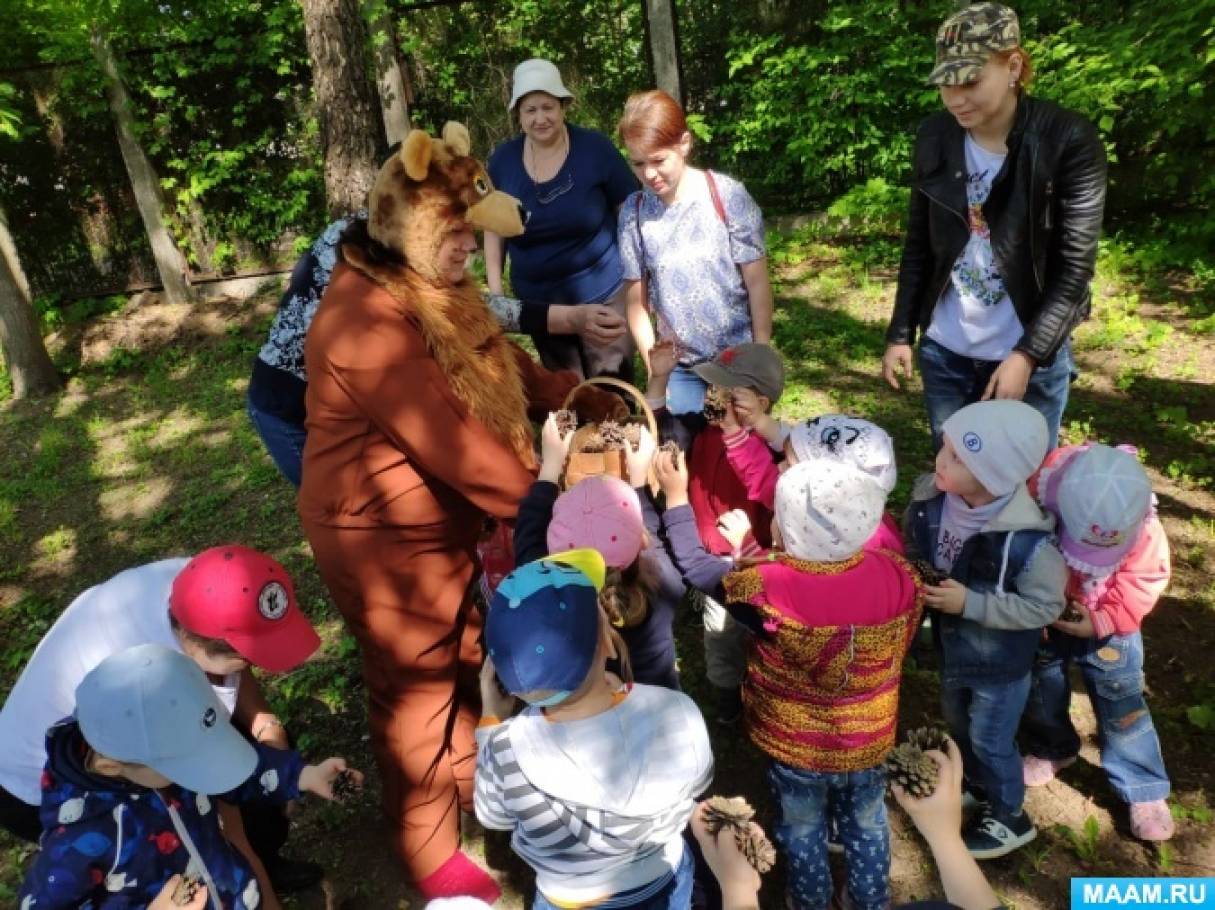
(344, 785)
(929, 573)
(567, 421)
(186, 889)
(717, 400)
(736, 814)
(671, 447)
(1071, 613)
(632, 435)
(911, 767)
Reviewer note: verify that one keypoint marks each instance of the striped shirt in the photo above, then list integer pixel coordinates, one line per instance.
(596, 806)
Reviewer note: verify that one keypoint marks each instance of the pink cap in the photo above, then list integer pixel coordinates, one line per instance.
(602, 513)
(245, 598)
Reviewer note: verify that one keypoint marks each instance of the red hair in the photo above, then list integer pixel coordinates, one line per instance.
(652, 120)
(1027, 65)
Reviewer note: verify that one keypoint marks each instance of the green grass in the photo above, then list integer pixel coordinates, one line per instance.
(149, 454)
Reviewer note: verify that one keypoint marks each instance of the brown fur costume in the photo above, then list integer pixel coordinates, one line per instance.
(417, 428)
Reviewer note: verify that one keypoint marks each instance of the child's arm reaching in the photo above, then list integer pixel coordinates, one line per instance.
(700, 569)
(1038, 601)
(752, 462)
(489, 783)
(536, 509)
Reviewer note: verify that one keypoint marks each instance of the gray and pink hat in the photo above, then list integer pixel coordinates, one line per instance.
(1102, 497)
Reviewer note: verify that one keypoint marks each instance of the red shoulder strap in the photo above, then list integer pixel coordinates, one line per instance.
(716, 197)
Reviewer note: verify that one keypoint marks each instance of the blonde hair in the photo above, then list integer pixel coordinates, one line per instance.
(626, 593)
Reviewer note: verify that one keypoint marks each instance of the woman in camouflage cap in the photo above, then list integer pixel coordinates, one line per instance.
(1006, 206)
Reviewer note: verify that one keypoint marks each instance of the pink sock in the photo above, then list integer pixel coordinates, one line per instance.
(460, 877)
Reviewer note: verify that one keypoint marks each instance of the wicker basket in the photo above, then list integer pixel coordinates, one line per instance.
(582, 464)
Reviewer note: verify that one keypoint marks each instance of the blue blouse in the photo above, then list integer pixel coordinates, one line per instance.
(567, 253)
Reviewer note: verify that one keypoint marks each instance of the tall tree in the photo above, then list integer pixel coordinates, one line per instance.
(390, 78)
(663, 33)
(146, 185)
(29, 365)
(346, 103)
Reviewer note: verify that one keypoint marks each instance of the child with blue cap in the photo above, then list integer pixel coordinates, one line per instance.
(595, 779)
(131, 783)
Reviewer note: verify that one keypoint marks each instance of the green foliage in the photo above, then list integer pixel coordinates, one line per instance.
(1085, 843)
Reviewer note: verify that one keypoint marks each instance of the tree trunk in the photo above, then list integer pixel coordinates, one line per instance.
(663, 39)
(29, 365)
(345, 100)
(394, 93)
(146, 185)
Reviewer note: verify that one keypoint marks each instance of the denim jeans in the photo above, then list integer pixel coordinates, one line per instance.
(982, 720)
(685, 392)
(283, 440)
(674, 894)
(856, 801)
(1113, 674)
(952, 381)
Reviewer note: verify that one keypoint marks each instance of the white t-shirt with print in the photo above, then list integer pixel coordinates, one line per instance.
(130, 609)
(975, 316)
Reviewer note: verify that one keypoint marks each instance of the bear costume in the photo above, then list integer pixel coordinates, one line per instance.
(418, 428)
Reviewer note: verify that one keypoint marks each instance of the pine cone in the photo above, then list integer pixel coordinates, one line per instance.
(911, 769)
(632, 434)
(928, 738)
(567, 421)
(717, 400)
(929, 573)
(613, 436)
(344, 785)
(671, 447)
(735, 813)
(186, 889)
(1071, 613)
(593, 442)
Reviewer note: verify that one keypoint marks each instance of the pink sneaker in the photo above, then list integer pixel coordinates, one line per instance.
(1152, 821)
(1038, 772)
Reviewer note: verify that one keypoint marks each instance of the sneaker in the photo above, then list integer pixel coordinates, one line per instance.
(1152, 821)
(1038, 772)
(991, 837)
(729, 705)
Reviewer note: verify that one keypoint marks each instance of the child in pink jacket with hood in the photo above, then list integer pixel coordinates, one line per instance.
(1118, 561)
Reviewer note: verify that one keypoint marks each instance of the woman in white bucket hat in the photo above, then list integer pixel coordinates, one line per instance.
(571, 181)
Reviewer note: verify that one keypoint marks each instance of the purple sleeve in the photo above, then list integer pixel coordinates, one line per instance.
(700, 568)
(531, 525)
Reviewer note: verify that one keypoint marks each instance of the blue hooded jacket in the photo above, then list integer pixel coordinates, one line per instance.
(108, 843)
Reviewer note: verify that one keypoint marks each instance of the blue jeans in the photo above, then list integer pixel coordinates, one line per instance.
(674, 894)
(685, 392)
(1113, 674)
(982, 720)
(283, 440)
(856, 802)
(952, 381)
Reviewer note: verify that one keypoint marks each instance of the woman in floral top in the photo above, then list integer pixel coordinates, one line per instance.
(692, 244)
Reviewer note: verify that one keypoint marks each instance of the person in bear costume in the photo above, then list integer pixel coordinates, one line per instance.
(418, 428)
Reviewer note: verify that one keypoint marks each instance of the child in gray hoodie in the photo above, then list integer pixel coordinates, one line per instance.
(976, 523)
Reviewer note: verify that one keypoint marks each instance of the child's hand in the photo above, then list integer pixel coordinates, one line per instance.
(164, 900)
(734, 527)
(729, 422)
(747, 406)
(739, 881)
(671, 469)
(1080, 628)
(554, 449)
(639, 461)
(662, 359)
(948, 597)
(939, 815)
(493, 702)
(318, 779)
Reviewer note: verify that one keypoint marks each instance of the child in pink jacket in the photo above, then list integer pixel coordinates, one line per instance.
(1118, 560)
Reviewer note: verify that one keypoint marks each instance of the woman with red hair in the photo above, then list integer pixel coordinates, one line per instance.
(692, 244)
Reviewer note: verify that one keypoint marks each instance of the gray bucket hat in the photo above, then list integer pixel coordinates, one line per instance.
(969, 37)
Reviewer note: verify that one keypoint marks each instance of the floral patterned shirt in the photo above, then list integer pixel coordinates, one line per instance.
(691, 260)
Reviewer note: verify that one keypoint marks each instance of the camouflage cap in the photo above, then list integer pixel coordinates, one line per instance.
(969, 37)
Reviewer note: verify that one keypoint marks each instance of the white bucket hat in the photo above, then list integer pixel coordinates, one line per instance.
(537, 75)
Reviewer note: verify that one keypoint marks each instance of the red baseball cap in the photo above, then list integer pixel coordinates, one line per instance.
(245, 598)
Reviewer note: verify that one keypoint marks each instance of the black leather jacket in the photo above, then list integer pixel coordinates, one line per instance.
(1044, 212)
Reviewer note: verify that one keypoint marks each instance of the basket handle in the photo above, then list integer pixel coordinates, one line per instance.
(631, 390)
